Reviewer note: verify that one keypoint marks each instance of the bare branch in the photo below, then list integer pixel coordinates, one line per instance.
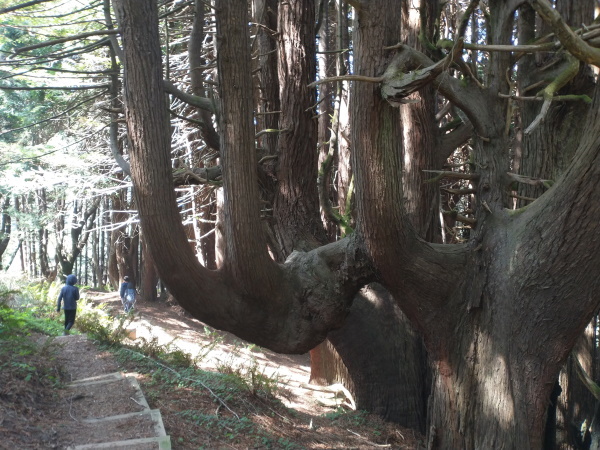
(451, 141)
(573, 43)
(65, 39)
(199, 102)
(467, 98)
(449, 174)
(398, 84)
(531, 48)
(22, 5)
(459, 191)
(459, 217)
(347, 78)
(548, 93)
(557, 98)
(530, 180)
(464, 20)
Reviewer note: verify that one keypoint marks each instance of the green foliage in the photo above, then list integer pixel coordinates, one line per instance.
(22, 313)
(251, 377)
(100, 325)
(26, 310)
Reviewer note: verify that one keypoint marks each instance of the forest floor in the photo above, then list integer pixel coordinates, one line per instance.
(197, 413)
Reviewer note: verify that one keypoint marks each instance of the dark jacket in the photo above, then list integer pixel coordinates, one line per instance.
(69, 294)
(126, 286)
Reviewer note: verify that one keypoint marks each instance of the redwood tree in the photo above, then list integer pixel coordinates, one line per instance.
(499, 313)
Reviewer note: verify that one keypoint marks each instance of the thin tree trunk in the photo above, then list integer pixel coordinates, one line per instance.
(148, 275)
(5, 228)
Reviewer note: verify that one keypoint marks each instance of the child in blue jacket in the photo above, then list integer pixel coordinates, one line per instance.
(69, 294)
(127, 293)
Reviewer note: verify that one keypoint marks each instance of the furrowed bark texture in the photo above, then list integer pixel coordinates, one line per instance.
(296, 206)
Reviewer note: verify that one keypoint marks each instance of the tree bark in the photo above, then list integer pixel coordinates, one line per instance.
(387, 364)
(296, 206)
(148, 274)
(5, 228)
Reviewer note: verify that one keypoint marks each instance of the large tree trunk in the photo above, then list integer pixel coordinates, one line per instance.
(385, 359)
(296, 206)
(286, 308)
(544, 153)
(489, 317)
(400, 368)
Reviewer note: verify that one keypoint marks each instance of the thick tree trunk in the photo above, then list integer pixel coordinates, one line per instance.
(296, 207)
(495, 328)
(499, 315)
(287, 307)
(387, 364)
(544, 153)
(379, 358)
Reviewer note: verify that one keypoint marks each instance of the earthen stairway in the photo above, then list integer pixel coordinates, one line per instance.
(114, 414)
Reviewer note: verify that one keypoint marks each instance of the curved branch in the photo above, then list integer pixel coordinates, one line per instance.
(287, 308)
(347, 78)
(451, 141)
(398, 84)
(548, 93)
(530, 180)
(468, 98)
(114, 44)
(199, 102)
(522, 48)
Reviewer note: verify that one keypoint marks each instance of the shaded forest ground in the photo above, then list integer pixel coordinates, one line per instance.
(213, 390)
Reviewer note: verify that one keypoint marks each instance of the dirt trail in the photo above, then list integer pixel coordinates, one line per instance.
(170, 325)
(117, 405)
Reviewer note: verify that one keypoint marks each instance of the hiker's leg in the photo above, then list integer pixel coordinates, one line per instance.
(69, 318)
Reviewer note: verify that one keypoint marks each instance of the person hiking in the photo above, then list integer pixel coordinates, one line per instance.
(127, 293)
(69, 294)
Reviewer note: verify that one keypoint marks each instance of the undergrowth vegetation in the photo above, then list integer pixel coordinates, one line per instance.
(29, 324)
(236, 406)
